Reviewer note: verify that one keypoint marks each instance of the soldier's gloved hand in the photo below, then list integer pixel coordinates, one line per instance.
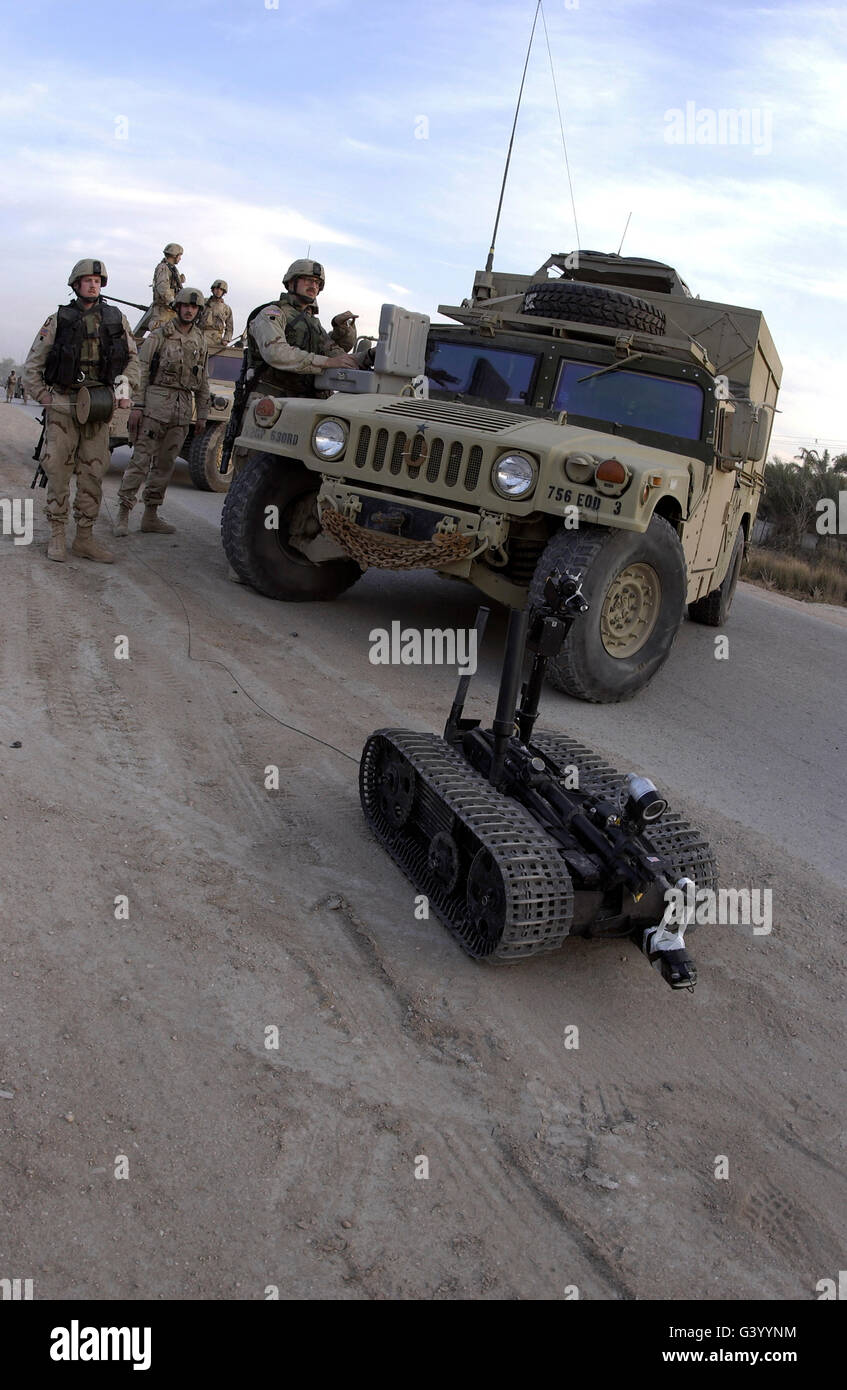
(123, 402)
(346, 359)
(344, 319)
(133, 422)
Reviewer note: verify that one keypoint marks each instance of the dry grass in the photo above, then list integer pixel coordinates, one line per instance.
(822, 581)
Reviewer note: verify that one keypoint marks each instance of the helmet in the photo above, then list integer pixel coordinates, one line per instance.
(173, 248)
(298, 268)
(88, 268)
(187, 295)
(223, 285)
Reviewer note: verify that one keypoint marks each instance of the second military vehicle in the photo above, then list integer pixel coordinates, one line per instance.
(593, 417)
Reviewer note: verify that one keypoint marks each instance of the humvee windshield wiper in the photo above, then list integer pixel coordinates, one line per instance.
(613, 367)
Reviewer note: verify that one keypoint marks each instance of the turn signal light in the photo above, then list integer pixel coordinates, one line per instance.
(611, 471)
(266, 406)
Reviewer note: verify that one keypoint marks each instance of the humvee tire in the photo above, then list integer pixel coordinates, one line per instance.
(635, 585)
(582, 303)
(713, 609)
(262, 556)
(204, 458)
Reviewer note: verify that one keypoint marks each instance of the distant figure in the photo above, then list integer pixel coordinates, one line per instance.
(11, 384)
(167, 283)
(217, 324)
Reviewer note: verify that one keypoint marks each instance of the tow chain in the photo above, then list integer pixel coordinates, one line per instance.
(393, 552)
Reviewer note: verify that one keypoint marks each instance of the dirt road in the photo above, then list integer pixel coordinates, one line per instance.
(293, 1167)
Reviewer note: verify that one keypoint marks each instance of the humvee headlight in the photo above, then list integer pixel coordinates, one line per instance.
(220, 402)
(513, 475)
(329, 439)
(580, 467)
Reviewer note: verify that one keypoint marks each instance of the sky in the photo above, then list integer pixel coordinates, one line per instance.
(371, 135)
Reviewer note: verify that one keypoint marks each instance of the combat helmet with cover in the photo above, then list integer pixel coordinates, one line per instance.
(298, 268)
(173, 248)
(189, 295)
(88, 267)
(223, 285)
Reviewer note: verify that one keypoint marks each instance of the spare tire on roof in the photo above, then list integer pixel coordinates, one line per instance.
(582, 303)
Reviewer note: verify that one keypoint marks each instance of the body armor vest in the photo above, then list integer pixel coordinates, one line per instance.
(176, 278)
(90, 345)
(303, 331)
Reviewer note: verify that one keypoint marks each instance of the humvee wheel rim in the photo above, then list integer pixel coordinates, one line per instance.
(630, 610)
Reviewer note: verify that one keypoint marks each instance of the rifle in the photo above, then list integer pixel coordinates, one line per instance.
(239, 398)
(130, 303)
(39, 477)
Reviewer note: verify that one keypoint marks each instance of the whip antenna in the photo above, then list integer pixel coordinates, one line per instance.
(561, 125)
(618, 252)
(490, 262)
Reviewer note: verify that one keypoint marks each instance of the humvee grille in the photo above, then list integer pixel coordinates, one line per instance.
(362, 447)
(436, 453)
(454, 463)
(407, 455)
(472, 470)
(379, 450)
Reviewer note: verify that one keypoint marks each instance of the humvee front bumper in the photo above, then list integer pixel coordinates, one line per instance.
(397, 532)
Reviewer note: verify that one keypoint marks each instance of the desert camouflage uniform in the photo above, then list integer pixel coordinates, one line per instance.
(180, 378)
(167, 283)
(283, 368)
(11, 383)
(70, 447)
(217, 323)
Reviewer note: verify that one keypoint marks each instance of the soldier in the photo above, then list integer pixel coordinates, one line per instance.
(218, 321)
(11, 385)
(288, 346)
(84, 344)
(167, 283)
(172, 375)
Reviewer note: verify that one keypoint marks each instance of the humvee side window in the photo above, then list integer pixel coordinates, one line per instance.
(490, 374)
(630, 398)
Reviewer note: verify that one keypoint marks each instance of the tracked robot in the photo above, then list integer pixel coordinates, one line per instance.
(520, 839)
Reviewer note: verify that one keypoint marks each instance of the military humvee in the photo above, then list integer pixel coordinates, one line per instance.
(593, 417)
(202, 452)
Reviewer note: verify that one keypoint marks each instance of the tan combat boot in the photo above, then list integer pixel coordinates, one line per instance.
(121, 527)
(151, 521)
(56, 544)
(88, 548)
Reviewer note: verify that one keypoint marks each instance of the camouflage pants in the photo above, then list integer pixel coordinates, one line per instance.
(71, 448)
(10, 391)
(153, 458)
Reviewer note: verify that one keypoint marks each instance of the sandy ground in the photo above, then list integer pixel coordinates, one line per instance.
(249, 909)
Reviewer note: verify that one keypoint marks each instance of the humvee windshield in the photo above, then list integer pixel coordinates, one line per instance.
(630, 399)
(224, 368)
(491, 374)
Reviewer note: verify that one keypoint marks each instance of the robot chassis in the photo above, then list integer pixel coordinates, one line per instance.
(520, 839)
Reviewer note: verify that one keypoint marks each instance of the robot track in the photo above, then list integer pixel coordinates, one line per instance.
(491, 874)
